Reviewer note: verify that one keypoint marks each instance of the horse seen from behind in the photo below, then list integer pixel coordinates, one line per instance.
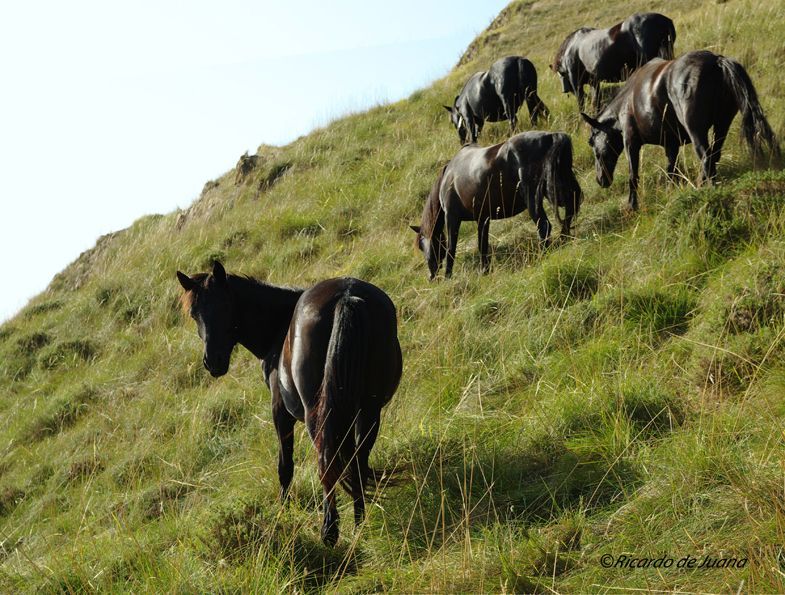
(484, 183)
(330, 356)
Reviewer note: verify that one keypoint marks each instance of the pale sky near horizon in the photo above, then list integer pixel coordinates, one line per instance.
(111, 111)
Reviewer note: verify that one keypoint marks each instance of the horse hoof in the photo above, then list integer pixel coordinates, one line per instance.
(330, 534)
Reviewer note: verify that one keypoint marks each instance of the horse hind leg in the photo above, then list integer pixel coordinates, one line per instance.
(366, 431)
(672, 153)
(511, 113)
(715, 149)
(537, 214)
(700, 142)
(330, 527)
(536, 107)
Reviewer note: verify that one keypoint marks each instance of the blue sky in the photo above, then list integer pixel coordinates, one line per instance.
(111, 111)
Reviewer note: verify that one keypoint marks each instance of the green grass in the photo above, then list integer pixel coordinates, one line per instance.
(619, 393)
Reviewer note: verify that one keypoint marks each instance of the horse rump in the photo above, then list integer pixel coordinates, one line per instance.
(527, 79)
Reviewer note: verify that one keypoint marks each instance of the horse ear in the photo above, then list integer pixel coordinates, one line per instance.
(591, 121)
(187, 283)
(219, 274)
(448, 108)
(415, 228)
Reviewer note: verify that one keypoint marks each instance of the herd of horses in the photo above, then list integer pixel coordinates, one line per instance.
(330, 353)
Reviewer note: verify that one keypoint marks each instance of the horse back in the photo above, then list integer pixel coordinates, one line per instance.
(467, 180)
(647, 107)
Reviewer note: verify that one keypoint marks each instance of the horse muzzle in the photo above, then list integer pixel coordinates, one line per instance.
(216, 370)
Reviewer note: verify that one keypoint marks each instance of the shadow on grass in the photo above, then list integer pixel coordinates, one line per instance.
(250, 530)
(459, 487)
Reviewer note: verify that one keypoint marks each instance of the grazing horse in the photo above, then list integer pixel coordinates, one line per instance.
(330, 356)
(484, 183)
(589, 56)
(673, 103)
(496, 95)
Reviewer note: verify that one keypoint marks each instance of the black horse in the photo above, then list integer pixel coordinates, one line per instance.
(675, 102)
(654, 35)
(331, 358)
(496, 95)
(484, 183)
(589, 56)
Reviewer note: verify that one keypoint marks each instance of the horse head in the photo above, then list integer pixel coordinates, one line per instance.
(432, 248)
(458, 120)
(209, 302)
(607, 144)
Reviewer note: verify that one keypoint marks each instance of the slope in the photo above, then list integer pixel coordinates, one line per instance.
(618, 394)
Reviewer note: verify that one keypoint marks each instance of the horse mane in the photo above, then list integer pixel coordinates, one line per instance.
(243, 285)
(564, 45)
(187, 298)
(432, 210)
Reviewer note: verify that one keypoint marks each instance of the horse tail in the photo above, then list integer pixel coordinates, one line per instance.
(341, 389)
(754, 127)
(559, 180)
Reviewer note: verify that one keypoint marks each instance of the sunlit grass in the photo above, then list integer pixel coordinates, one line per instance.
(619, 393)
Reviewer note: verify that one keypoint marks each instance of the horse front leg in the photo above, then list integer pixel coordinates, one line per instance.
(477, 129)
(483, 228)
(453, 227)
(595, 85)
(672, 153)
(284, 427)
(580, 95)
(633, 150)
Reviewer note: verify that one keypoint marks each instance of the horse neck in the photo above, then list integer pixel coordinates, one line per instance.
(612, 111)
(263, 314)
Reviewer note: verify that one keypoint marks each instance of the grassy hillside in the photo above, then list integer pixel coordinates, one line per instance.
(620, 394)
